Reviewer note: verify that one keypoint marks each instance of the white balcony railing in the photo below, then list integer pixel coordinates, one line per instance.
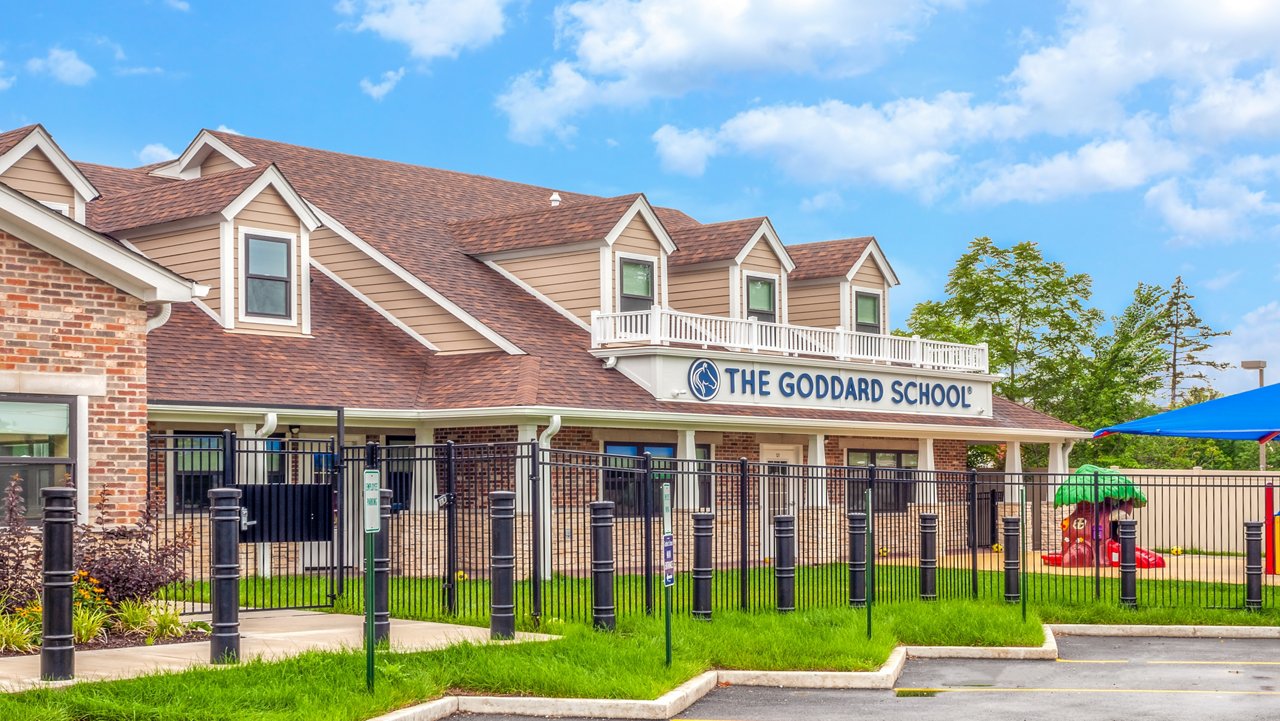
(663, 326)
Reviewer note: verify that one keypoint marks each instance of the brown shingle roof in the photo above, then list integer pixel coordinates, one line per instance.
(118, 181)
(171, 201)
(10, 138)
(713, 241)
(580, 220)
(827, 258)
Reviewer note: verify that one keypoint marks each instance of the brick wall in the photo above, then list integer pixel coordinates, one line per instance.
(59, 319)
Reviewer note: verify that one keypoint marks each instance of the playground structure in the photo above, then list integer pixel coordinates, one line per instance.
(1100, 496)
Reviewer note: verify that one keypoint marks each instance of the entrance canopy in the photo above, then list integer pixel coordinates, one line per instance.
(1250, 416)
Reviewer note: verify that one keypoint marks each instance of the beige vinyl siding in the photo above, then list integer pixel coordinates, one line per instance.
(815, 304)
(193, 253)
(762, 259)
(700, 290)
(216, 163)
(269, 211)
(395, 296)
(638, 238)
(35, 176)
(571, 280)
(869, 277)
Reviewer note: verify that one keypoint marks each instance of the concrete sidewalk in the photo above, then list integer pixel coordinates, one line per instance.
(264, 634)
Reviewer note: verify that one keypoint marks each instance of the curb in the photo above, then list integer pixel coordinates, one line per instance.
(882, 678)
(664, 707)
(1048, 651)
(1076, 629)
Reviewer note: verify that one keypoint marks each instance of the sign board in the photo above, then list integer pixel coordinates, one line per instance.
(372, 500)
(668, 560)
(666, 508)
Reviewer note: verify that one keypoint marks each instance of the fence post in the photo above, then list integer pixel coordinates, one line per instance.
(972, 478)
(502, 564)
(703, 530)
(929, 556)
(784, 562)
(224, 570)
(382, 571)
(744, 568)
(1128, 532)
(1012, 559)
(57, 645)
(872, 551)
(451, 528)
(857, 555)
(535, 580)
(1253, 565)
(1095, 537)
(603, 608)
(646, 503)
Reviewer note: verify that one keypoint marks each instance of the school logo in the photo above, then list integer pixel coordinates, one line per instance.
(704, 379)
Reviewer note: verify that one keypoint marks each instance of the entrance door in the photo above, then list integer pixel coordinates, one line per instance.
(781, 489)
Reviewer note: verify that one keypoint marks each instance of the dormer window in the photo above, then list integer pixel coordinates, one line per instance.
(266, 278)
(868, 312)
(635, 287)
(762, 299)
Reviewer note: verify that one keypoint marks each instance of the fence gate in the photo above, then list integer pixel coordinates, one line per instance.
(290, 515)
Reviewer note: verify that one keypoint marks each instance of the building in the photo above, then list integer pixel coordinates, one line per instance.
(259, 286)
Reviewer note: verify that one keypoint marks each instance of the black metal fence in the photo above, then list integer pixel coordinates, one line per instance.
(301, 550)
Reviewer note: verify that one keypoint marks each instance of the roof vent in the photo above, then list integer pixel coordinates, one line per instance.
(555, 200)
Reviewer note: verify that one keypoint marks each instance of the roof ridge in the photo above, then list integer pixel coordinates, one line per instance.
(591, 202)
(813, 243)
(188, 183)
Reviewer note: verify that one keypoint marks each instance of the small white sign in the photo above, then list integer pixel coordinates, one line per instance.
(372, 500)
(666, 508)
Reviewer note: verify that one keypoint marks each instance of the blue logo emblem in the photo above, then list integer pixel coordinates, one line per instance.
(704, 379)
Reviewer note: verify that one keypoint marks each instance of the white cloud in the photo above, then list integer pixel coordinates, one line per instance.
(1223, 279)
(1256, 336)
(155, 153)
(140, 70)
(1233, 108)
(826, 200)
(181, 5)
(224, 129)
(1222, 209)
(682, 151)
(64, 65)
(379, 90)
(431, 28)
(117, 50)
(6, 81)
(627, 53)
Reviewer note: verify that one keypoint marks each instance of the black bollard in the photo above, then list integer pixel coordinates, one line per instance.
(57, 645)
(703, 529)
(502, 564)
(929, 556)
(857, 559)
(382, 572)
(784, 562)
(1012, 559)
(1253, 565)
(224, 567)
(1128, 533)
(603, 611)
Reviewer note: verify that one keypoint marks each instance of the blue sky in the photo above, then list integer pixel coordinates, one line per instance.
(1133, 140)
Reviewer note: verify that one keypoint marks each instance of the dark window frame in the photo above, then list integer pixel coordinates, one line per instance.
(41, 463)
(878, 327)
(895, 488)
(182, 482)
(770, 316)
(287, 278)
(629, 299)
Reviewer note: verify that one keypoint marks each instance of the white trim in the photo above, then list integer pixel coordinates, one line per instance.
(846, 304)
(662, 261)
(767, 232)
(606, 279)
(187, 166)
(304, 245)
(735, 292)
(873, 251)
(621, 255)
(853, 319)
(536, 294)
(272, 178)
(417, 283)
(82, 458)
(747, 275)
(62, 208)
(71, 242)
(641, 206)
(295, 271)
(80, 210)
(542, 250)
(372, 304)
(208, 311)
(39, 138)
(226, 274)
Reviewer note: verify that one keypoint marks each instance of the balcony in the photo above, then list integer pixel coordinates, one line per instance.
(664, 326)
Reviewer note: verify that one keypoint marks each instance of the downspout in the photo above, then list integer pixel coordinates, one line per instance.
(268, 426)
(544, 496)
(166, 311)
(553, 427)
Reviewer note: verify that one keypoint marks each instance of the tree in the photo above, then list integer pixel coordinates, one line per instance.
(1032, 314)
(1186, 337)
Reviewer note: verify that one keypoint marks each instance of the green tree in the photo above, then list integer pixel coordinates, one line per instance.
(1186, 337)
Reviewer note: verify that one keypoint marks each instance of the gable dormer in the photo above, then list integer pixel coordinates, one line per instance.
(32, 164)
(842, 283)
(206, 155)
(737, 269)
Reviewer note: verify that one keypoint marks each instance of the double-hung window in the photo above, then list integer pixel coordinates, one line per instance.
(635, 284)
(895, 478)
(868, 312)
(267, 282)
(36, 446)
(762, 299)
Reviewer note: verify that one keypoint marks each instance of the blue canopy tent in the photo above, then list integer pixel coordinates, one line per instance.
(1250, 416)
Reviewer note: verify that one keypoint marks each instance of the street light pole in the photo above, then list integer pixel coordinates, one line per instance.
(1261, 367)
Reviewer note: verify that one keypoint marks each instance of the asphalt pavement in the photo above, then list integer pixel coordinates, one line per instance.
(1095, 679)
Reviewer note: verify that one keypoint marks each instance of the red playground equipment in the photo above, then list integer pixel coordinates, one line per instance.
(1088, 533)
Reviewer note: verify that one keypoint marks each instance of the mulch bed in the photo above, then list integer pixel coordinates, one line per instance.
(121, 641)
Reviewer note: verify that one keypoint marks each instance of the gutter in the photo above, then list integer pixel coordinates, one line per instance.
(166, 312)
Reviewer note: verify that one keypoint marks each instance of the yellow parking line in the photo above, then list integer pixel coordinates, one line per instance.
(1218, 663)
(993, 689)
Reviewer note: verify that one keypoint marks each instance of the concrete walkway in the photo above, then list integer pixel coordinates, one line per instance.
(264, 634)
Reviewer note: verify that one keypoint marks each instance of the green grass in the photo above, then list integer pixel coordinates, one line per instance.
(583, 663)
(1193, 551)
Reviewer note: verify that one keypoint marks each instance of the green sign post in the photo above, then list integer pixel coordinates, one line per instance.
(668, 560)
(372, 524)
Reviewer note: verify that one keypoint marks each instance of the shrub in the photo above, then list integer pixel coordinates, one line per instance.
(17, 633)
(126, 560)
(89, 624)
(133, 617)
(167, 623)
(19, 551)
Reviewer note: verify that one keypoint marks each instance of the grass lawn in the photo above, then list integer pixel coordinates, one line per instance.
(583, 663)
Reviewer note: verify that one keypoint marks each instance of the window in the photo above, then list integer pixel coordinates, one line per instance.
(400, 453)
(266, 277)
(868, 313)
(197, 467)
(635, 285)
(623, 479)
(36, 445)
(706, 477)
(762, 299)
(895, 484)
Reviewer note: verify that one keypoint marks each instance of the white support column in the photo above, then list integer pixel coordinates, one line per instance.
(926, 492)
(1056, 465)
(686, 494)
(424, 470)
(1012, 467)
(816, 494)
(525, 433)
(255, 471)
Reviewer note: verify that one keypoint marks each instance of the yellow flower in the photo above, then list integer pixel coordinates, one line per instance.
(996, 548)
(94, 581)
(461, 575)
